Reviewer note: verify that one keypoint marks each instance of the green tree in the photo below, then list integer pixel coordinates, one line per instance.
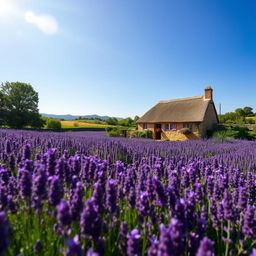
(240, 112)
(136, 118)
(53, 124)
(3, 110)
(248, 111)
(21, 104)
(112, 121)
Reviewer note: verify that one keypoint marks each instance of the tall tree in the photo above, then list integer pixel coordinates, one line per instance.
(2, 109)
(248, 111)
(240, 112)
(21, 102)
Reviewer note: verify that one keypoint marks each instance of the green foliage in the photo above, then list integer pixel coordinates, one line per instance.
(114, 132)
(185, 131)
(237, 117)
(126, 122)
(145, 134)
(140, 134)
(112, 121)
(248, 111)
(240, 112)
(53, 124)
(236, 132)
(3, 109)
(76, 124)
(231, 118)
(250, 120)
(19, 102)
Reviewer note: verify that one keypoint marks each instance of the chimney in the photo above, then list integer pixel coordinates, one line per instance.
(208, 93)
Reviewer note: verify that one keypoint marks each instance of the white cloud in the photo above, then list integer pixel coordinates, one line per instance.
(45, 23)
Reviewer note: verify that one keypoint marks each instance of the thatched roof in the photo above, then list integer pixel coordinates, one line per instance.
(191, 109)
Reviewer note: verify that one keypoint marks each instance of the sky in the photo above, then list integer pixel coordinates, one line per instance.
(120, 57)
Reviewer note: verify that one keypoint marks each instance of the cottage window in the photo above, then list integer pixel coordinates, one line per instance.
(170, 127)
(145, 126)
(189, 126)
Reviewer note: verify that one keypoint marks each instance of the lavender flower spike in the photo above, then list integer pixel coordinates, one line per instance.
(206, 248)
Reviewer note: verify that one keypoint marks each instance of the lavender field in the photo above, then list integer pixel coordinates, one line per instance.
(87, 194)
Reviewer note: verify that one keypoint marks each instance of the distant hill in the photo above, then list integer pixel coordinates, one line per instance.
(73, 117)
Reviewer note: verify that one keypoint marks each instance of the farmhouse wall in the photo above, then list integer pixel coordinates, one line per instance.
(210, 120)
(174, 135)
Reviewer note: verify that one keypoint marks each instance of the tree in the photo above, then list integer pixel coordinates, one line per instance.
(21, 103)
(248, 111)
(136, 118)
(112, 121)
(53, 124)
(240, 112)
(2, 109)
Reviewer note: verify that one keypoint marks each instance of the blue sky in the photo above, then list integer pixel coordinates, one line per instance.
(120, 57)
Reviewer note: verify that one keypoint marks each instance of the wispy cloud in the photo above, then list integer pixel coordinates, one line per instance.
(45, 23)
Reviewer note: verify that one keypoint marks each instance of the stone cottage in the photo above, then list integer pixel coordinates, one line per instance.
(168, 119)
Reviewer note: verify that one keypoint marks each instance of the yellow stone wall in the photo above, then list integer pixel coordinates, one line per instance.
(176, 136)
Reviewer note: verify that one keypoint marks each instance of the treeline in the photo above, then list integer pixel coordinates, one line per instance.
(239, 116)
(127, 122)
(19, 106)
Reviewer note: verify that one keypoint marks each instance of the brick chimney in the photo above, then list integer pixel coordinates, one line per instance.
(208, 93)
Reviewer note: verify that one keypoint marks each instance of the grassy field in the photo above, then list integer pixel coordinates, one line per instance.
(83, 124)
(252, 117)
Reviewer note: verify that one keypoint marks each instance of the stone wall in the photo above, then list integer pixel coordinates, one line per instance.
(174, 135)
(177, 136)
(210, 120)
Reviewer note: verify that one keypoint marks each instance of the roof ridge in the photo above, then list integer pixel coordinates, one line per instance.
(182, 99)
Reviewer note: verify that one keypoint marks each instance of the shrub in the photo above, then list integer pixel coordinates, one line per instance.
(114, 132)
(53, 124)
(76, 124)
(145, 134)
(184, 131)
(236, 132)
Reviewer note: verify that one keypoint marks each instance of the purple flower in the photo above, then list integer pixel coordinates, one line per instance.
(39, 183)
(51, 161)
(63, 214)
(90, 222)
(38, 247)
(111, 196)
(25, 183)
(161, 196)
(123, 237)
(249, 222)
(253, 252)
(3, 197)
(55, 190)
(242, 198)
(90, 252)
(153, 248)
(76, 202)
(74, 247)
(177, 237)
(133, 243)
(12, 205)
(228, 207)
(4, 233)
(98, 195)
(27, 151)
(206, 248)
(143, 205)
(165, 246)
